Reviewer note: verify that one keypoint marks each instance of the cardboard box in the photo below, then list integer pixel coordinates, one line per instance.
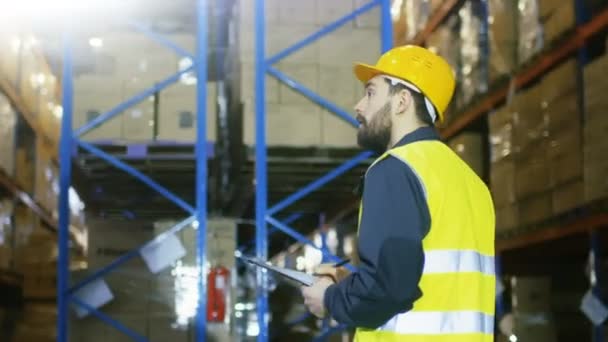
(563, 112)
(329, 11)
(535, 209)
(529, 121)
(566, 167)
(532, 176)
(305, 74)
(501, 135)
(345, 44)
(558, 21)
(531, 294)
(537, 328)
(502, 38)
(336, 132)
(8, 119)
(469, 146)
(559, 81)
(6, 257)
(41, 283)
(565, 141)
(568, 196)
(502, 183)
(284, 36)
(507, 218)
(369, 19)
(297, 12)
(596, 182)
(248, 84)
(294, 125)
(595, 131)
(596, 69)
(177, 116)
(24, 168)
(338, 84)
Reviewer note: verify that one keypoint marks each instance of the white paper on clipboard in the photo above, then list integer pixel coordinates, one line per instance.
(301, 277)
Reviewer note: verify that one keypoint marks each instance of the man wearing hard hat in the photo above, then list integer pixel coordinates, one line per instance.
(426, 224)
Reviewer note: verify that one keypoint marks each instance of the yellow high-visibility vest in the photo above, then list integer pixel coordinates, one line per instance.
(458, 280)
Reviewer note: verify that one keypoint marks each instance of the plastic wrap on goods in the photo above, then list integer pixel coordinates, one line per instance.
(8, 119)
(473, 50)
(530, 30)
(502, 35)
(417, 13)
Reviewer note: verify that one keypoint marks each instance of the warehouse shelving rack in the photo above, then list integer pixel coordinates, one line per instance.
(264, 215)
(198, 213)
(546, 61)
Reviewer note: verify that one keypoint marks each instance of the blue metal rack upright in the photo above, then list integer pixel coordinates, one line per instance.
(198, 213)
(264, 214)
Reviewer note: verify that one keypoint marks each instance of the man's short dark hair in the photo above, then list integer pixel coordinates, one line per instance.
(421, 112)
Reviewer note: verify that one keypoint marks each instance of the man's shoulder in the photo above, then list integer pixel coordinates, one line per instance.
(388, 166)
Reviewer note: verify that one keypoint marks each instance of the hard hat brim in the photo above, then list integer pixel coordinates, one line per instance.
(365, 72)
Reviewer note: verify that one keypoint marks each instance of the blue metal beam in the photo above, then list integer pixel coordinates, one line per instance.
(261, 196)
(131, 102)
(289, 220)
(109, 321)
(349, 164)
(65, 176)
(161, 39)
(135, 173)
(314, 97)
(387, 25)
(130, 255)
(323, 31)
(302, 239)
(201, 166)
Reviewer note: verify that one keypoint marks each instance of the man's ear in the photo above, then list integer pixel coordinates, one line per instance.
(405, 101)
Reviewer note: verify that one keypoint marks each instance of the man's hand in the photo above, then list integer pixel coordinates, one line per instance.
(336, 273)
(313, 296)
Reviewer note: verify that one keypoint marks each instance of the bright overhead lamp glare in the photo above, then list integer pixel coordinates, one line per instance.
(96, 42)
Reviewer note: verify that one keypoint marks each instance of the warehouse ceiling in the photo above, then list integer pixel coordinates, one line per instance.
(116, 17)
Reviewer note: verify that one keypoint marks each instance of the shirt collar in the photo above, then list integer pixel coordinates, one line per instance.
(422, 133)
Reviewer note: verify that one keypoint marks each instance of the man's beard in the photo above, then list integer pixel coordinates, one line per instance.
(376, 135)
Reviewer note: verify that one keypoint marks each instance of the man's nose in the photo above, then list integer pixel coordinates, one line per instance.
(359, 107)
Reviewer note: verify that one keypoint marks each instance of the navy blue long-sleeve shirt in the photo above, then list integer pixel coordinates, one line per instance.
(394, 221)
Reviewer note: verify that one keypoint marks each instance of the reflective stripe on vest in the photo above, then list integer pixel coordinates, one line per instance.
(449, 261)
(437, 322)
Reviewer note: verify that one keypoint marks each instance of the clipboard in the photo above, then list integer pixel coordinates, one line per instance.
(300, 277)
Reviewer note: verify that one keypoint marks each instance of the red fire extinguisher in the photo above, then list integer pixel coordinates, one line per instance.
(218, 284)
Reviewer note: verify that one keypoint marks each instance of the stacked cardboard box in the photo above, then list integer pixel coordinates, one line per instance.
(38, 323)
(158, 306)
(470, 147)
(560, 102)
(531, 165)
(323, 67)
(47, 177)
(540, 133)
(595, 130)
(557, 17)
(6, 232)
(8, 119)
(445, 41)
(502, 38)
(530, 40)
(24, 168)
(531, 301)
(473, 72)
(502, 169)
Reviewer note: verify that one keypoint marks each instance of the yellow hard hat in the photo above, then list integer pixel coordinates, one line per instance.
(430, 73)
